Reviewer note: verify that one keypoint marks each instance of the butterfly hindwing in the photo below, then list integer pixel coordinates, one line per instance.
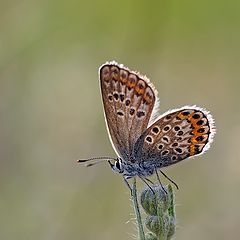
(175, 136)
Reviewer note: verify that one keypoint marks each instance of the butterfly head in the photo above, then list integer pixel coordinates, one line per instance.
(117, 166)
(128, 170)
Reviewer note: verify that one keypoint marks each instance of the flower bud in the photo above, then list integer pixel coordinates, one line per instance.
(160, 209)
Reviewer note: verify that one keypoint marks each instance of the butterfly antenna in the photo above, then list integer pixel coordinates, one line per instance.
(100, 159)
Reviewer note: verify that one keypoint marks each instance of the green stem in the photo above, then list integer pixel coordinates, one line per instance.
(162, 234)
(137, 211)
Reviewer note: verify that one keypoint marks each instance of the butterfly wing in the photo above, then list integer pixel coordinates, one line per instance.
(128, 101)
(175, 136)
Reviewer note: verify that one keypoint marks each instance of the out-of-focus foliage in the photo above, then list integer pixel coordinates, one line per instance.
(51, 113)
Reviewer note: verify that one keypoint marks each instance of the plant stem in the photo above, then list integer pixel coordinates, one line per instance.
(162, 234)
(141, 234)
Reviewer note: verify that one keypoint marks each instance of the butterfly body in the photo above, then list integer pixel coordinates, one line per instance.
(144, 140)
(129, 170)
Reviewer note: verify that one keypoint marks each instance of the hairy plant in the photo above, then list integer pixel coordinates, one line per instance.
(160, 210)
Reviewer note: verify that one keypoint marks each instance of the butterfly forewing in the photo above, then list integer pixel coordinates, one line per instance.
(175, 136)
(128, 100)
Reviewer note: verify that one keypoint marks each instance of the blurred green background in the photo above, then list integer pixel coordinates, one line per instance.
(51, 113)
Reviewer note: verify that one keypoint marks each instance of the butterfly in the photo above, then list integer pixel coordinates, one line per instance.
(144, 140)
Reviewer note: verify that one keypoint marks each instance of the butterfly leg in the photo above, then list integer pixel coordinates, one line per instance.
(144, 180)
(169, 179)
(128, 185)
(160, 181)
(149, 181)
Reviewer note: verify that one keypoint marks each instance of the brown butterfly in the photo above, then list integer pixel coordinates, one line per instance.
(144, 141)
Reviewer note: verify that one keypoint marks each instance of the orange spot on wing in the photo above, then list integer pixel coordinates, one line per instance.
(192, 150)
(115, 73)
(194, 141)
(132, 81)
(194, 122)
(139, 90)
(123, 76)
(105, 73)
(195, 132)
(180, 115)
(130, 84)
(148, 98)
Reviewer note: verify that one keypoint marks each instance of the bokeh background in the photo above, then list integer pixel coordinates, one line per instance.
(51, 113)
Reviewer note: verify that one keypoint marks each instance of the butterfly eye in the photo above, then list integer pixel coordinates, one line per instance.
(117, 165)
